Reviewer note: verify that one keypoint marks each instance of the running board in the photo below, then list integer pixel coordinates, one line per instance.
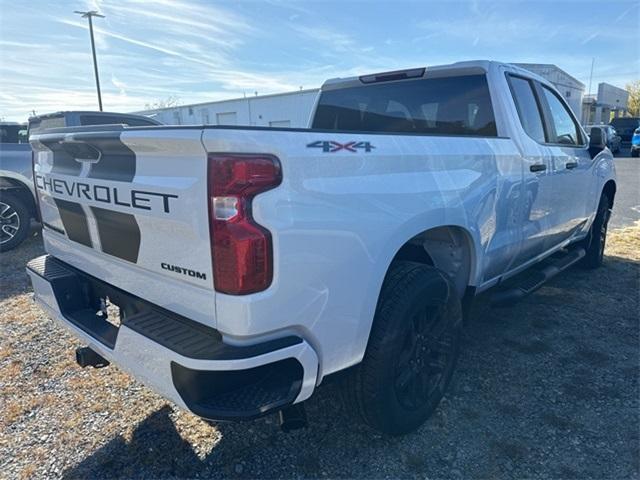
(528, 282)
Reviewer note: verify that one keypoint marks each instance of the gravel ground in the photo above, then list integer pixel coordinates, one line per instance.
(546, 389)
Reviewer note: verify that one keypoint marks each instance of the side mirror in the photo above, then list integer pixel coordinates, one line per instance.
(597, 141)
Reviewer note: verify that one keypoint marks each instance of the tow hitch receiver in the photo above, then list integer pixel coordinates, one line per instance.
(85, 357)
(293, 417)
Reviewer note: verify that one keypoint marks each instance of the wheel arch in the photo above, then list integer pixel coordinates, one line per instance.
(22, 191)
(609, 189)
(450, 248)
(423, 242)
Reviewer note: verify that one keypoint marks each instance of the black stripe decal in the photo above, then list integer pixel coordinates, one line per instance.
(117, 162)
(63, 162)
(74, 221)
(119, 233)
(51, 227)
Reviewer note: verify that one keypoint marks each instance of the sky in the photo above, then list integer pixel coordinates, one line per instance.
(199, 51)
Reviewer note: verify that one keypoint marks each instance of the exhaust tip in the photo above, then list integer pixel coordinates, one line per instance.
(294, 417)
(86, 357)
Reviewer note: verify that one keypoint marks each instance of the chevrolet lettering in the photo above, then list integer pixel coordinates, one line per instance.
(141, 199)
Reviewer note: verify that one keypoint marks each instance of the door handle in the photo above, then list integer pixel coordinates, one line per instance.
(571, 165)
(538, 167)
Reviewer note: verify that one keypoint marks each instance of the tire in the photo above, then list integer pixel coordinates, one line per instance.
(15, 221)
(595, 242)
(635, 153)
(412, 351)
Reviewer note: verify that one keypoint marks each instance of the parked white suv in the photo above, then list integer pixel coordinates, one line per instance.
(249, 263)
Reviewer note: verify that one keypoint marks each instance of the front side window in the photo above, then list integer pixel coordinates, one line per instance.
(441, 106)
(563, 129)
(527, 107)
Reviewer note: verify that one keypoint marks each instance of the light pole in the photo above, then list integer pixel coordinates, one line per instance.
(89, 15)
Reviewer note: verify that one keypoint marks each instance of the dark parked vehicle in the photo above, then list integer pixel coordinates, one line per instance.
(625, 126)
(612, 139)
(17, 199)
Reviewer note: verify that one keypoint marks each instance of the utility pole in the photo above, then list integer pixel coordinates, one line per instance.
(89, 15)
(593, 60)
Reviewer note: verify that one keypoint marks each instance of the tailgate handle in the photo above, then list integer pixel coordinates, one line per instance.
(81, 151)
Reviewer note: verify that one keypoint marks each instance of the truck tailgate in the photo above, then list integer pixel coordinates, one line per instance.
(129, 206)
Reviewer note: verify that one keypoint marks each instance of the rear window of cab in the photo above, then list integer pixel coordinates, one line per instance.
(459, 105)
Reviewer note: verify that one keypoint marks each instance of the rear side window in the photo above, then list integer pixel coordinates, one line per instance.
(9, 133)
(115, 120)
(441, 106)
(564, 129)
(527, 106)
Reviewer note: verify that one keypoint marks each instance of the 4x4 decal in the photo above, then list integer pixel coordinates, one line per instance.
(331, 146)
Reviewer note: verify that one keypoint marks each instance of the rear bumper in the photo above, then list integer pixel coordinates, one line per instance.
(186, 362)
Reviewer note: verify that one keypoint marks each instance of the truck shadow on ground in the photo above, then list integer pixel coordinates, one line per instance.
(13, 279)
(546, 387)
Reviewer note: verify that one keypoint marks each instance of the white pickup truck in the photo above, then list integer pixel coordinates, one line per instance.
(233, 269)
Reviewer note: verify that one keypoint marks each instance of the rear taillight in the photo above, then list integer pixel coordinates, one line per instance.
(241, 250)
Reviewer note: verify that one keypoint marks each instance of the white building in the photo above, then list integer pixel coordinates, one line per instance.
(292, 109)
(571, 89)
(610, 101)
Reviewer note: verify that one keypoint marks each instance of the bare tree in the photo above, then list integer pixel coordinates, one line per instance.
(170, 101)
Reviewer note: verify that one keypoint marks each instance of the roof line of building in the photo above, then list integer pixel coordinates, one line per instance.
(552, 66)
(200, 104)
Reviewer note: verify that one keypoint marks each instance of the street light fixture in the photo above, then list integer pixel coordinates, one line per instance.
(90, 14)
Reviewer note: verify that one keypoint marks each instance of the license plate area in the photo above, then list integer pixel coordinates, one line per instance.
(94, 306)
(110, 312)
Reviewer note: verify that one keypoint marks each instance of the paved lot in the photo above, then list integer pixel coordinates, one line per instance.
(545, 389)
(627, 208)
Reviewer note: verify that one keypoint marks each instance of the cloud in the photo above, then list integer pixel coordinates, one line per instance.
(623, 15)
(214, 25)
(158, 47)
(192, 55)
(119, 84)
(337, 41)
(497, 29)
(587, 39)
(218, 65)
(204, 51)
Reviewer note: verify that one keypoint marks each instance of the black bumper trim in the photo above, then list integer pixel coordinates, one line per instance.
(239, 394)
(78, 295)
